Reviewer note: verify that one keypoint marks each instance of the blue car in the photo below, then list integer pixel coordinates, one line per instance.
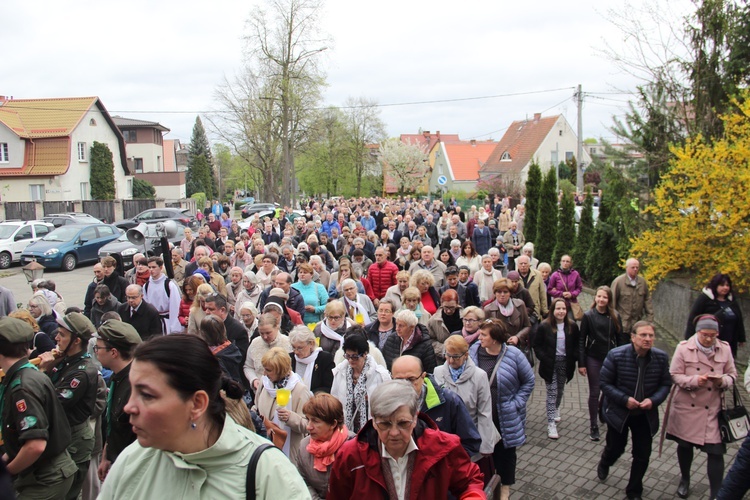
(70, 245)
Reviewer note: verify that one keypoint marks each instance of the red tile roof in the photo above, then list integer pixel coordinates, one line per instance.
(465, 159)
(521, 141)
(428, 139)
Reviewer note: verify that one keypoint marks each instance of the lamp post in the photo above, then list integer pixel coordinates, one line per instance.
(33, 271)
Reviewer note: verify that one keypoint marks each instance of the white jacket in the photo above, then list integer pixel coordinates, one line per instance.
(376, 376)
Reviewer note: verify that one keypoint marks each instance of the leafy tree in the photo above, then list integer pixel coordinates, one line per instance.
(406, 163)
(546, 233)
(566, 228)
(199, 176)
(143, 189)
(533, 189)
(102, 176)
(701, 210)
(585, 234)
(364, 127)
(325, 165)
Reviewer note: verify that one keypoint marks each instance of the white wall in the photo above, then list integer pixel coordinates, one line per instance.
(171, 192)
(560, 143)
(15, 148)
(149, 153)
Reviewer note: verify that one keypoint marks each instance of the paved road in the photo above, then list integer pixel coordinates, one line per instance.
(71, 285)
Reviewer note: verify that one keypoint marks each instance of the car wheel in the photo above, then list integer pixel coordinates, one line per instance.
(5, 260)
(69, 262)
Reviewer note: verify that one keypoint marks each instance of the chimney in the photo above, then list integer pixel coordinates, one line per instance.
(537, 117)
(473, 142)
(426, 133)
(438, 135)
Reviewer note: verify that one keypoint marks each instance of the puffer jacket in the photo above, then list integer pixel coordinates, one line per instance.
(618, 380)
(422, 349)
(184, 313)
(599, 335)
(515, 382)
(382, 278)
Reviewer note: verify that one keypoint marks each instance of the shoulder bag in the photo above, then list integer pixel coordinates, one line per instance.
(733, 422)
(252, 465)
(575, 307)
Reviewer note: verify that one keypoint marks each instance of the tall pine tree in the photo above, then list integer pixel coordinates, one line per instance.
(200, 179)
(102, 175)
(546, 233)
(585, 235)
(566, 229)
(533, 188)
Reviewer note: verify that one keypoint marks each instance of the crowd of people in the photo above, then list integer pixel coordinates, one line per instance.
(384, 348)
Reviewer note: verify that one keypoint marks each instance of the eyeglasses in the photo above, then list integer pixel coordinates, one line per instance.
(387, 425)
(411, 380)
(353, 357)
(97, 348)
(301, 349)
(470, 320)
(450, 308)
(453, 356)
(335, 318)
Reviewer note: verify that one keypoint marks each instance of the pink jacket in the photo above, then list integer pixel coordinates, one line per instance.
(694, 410)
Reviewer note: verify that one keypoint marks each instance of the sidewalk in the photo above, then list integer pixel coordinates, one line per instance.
(566, 468)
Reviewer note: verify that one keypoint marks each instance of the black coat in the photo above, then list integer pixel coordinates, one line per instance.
(706, 304)
(545, 348)
(230, 360)
(322, 376)
(599, 335)
(422, 349)
(117, 285)
(146, 320)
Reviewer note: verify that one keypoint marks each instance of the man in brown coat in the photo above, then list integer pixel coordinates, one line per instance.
(631, 296)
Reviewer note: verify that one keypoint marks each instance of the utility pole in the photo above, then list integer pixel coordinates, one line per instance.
(579, 152)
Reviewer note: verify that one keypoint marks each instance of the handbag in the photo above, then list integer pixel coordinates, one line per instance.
(575, 307)
(733, 422)
(276, 434)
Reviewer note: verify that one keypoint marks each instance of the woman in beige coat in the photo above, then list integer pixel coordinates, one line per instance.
(702, 369)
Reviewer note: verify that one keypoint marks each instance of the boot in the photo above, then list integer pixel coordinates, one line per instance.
(504, 492)
(594, 435)
(684, 488)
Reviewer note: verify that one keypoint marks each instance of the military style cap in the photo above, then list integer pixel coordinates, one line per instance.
(15, 330)
(119, 333)
(78, 324)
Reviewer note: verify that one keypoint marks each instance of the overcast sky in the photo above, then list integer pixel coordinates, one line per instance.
(162, 60)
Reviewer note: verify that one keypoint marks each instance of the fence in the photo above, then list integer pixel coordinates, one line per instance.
(23, 210)
(58, 207)
(102, 210)
(131, 208)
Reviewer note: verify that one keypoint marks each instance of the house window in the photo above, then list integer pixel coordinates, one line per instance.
(593, 151)
(560, 132)
(138, 163)
(129, 135)
(130, 188)
(569, 156)
(4, 152)
(505, 157)
(85, 191)
(92, 123)
(81, 151)
(158, 163)
(36, 191)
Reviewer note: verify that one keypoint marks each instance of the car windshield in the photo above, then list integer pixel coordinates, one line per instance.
(7, 230)
(64, 233)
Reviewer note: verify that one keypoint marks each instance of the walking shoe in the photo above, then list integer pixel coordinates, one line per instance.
(552, 431)
(557, 415)
(684, 488)
(602, 471)
(594, 433)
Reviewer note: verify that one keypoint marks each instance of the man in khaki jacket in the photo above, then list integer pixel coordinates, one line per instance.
(534, 283)
(631, 296)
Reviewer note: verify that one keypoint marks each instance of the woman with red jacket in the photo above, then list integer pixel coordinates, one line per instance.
(189, 287)
(368, 467)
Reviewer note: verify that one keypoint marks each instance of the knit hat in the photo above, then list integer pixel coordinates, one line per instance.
(706, 322)
(514, 276)
(278, 292)
(203, 273)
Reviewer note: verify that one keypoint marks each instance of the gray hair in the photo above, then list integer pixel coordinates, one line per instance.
(406, 316)
(348, 281)
(477, 311)
(358, 240)
(250, 307)
(493, 251)
(40, 300)
(455, 243)
(389, 396)
(316, 259)
(251, 276)
(301, 334)
(528, 246)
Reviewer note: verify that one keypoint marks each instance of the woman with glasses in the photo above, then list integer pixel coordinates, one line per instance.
(331, 330)
(512, 312)
(511, 380)
(471, 318)
(313, 364)
(249, 318)
(461, 375)
(400, 450)
(444, 322)
(42, 312)
(383, 327)
(354, 379)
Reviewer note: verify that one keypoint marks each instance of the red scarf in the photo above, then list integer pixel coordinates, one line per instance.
(323, 452)
(218, 348)
(142, 278)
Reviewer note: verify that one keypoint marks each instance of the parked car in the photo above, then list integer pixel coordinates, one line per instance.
(180, 215)
(70, 245)
(123, 250)
(254, 208)
(15, 236)
(58, 220)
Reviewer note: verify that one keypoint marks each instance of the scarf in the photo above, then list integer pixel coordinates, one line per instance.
(469, 337)
(142, 278)
(309, 364)
(456, 372)
(328, 332)
(410, 341)
(324, 452)
(360, 309)
(356, 397)
(708, 351)
(487, 281)
(506, 310)
(288, 382)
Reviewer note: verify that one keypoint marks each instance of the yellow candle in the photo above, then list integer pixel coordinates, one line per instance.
(283, 396)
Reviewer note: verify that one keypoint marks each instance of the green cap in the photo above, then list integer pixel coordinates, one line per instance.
(119, 333)
(15, 330)
(78, 324)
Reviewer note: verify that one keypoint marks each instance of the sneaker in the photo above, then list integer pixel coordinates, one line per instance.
(557, 415)
(552, 431)
(594, 433)
(602, 471)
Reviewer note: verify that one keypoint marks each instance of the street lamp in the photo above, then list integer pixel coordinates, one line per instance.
(33, 271)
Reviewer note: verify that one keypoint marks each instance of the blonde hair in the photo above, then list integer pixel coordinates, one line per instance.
(203, 291)
(456, 342)
(278, 360)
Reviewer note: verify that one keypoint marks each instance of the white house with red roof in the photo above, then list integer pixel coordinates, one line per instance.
(458, 164)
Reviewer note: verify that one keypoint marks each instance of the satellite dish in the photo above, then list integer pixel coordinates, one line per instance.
(167, 228)
(137, 235)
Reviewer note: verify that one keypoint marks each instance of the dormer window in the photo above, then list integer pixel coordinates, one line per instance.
(92, 123)
(505, 157)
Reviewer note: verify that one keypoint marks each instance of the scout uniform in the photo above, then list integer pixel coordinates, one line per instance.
(76, 381)
(119, 433)
(29, 409)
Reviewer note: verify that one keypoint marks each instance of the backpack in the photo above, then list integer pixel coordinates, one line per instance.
(166, 286)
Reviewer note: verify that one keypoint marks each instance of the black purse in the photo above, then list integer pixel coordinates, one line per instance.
(733, 422)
